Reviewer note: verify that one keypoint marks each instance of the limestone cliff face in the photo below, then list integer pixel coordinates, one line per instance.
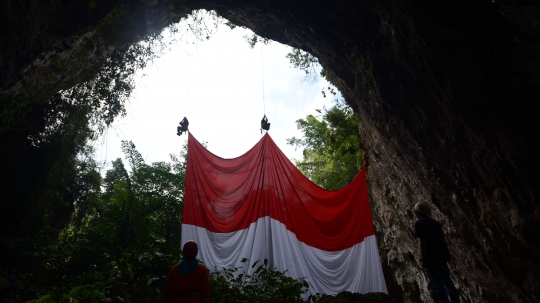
(447, 94)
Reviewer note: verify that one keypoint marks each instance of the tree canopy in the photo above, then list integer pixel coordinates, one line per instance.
(124, 228)
(332, 155)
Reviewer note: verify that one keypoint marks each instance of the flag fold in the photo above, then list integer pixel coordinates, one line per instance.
(259, 206)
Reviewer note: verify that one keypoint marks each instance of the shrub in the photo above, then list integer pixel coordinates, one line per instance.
(133, 277)
(265, 284)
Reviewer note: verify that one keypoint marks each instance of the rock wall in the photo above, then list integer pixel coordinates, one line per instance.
(446, 92)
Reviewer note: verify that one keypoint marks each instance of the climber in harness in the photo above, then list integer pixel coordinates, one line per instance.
(183, 127)
(264, 124)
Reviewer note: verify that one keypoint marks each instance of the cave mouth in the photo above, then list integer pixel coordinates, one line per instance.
(218, 84)
(446, 96)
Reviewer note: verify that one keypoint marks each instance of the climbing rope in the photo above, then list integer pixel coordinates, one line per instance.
(187, 93)
(262, 77)
(265, 125)
(189, 77)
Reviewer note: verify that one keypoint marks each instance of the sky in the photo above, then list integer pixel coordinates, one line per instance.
(218, 85)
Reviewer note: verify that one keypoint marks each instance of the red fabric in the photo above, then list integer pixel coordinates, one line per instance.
(226, 195)
(193, 288)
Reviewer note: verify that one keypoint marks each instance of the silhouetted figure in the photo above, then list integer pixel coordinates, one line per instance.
(188, 280)
(183, 126)
(365, 157)
(434, 254)
(264, 124)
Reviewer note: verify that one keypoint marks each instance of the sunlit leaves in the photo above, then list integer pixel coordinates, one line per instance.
(253, 39)
(305, 62)
(332, 155)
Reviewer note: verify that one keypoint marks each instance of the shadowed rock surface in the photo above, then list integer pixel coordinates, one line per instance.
(446, 93)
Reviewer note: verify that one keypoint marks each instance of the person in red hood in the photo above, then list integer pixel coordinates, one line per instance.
(188, 281)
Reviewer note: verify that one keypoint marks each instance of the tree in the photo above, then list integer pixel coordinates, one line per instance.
(304, 61)
(308, 63)
(44, 160)
(121, 239)
(147, 201)
(332, 155)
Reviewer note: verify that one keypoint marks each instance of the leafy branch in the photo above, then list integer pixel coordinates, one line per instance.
(264, 284)
(332, 155)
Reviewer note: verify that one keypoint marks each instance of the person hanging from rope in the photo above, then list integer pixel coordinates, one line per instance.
(264, 124)
(183, 127)
(188, 280)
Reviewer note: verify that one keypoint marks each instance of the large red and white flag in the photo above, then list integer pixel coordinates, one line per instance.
(259, 206)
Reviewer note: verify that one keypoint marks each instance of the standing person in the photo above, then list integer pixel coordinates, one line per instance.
(434, 254)
(187, 281)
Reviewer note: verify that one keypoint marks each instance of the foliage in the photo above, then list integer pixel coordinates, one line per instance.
(101, 99)
(253, 39)
(120, 242)
(201, 24)
(304, 61)
(264, 284)
(60, 220)
(152, 196)
(332, 153)
(137, 277)
(47, 159)
(308, 63)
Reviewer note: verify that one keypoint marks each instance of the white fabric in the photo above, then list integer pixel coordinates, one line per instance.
(356, 269)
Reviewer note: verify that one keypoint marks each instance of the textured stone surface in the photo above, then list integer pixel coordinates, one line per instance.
(51, 45)
(446, 91)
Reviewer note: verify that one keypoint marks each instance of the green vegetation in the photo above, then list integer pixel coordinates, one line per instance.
(47, 161)
(306, 62)
(265, 284)
(121, 241)
(332, 153)
(118, 244)
(61, 225)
